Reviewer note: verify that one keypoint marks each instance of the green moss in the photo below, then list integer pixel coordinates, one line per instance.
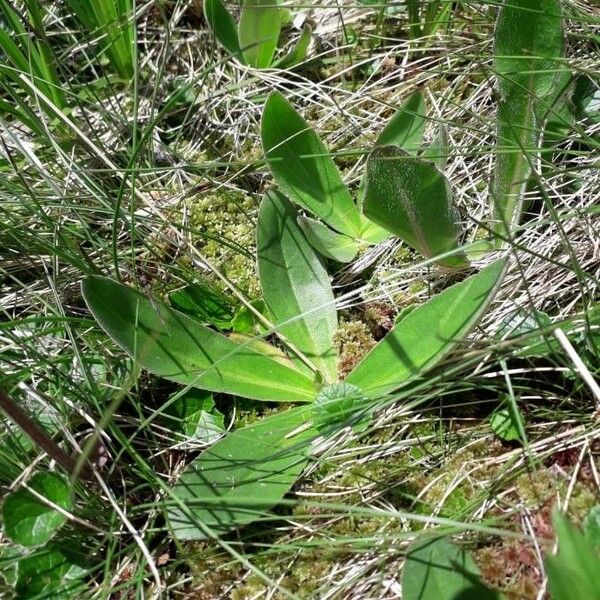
(302, 576)
(352, 340)
(220, 222)
(213, 570)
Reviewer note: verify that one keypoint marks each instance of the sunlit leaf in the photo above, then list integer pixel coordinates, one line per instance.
(437, 569)
(426, 334)
(223, 25)
(326, 241)
(242, 476)
(406, 127)
(177, 347)
(573, 572)
(528, 48)
(258, 31)
(412, 199)
(29, 521)
(296, 287)
(303, 168)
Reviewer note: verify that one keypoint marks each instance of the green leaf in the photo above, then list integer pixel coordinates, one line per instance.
(412, 199)
(327, 242)
(591, 527)
(303, 168)
(523, 322)
(177, 347)
(425, 335)
(573, 572)
(295, 285)
(507, 422)
(203, 302)
(223, 26)
(437, 569)
(373, 233)
(193, 414)
(405, 129)
(437, 152)
(299, 52)
(528, 48)
(246, 322)
(51, 572)
(258, 32)
(245, 474)
(30, 522)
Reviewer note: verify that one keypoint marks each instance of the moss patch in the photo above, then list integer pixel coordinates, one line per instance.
(224, 228)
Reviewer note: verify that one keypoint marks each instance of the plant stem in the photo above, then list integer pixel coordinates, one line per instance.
(40, 437)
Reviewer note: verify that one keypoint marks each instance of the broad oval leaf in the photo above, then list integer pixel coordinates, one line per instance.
(412, 199)
(258, 32)
(303, 168)
(437, 569)
(426, 334)
(242, 476)
(407, 126)
(28, 521)
(528, 48)
(223, 26)
(405, 129)
(55, 571)
(295, 285)
(177, 347)
(327, 242)
(204, 303)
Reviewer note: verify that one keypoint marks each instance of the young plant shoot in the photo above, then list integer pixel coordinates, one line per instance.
(527, 60)
(401, 194)
(253, 41)
(248, 471)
